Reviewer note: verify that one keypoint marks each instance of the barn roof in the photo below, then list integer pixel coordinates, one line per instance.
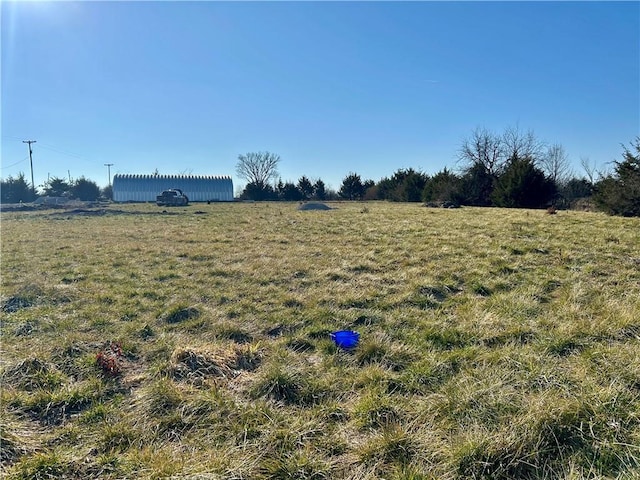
(170, 177)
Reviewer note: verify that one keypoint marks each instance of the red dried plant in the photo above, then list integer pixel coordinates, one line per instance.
(109, 358)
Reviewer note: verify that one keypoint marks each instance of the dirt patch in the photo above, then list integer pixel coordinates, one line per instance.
(18, 207)
(84, 209)
(86, 212)
(93, 212)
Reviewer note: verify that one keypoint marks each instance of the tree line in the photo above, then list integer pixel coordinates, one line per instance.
(17, 189)
(513, 169)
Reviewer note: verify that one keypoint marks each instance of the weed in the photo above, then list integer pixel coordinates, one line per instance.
(96, 414)
(480, 289)
(26, 297)
(13, 304)
(289, 386)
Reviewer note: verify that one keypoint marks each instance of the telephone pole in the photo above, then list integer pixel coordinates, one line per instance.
(109, 165)
(33, 185)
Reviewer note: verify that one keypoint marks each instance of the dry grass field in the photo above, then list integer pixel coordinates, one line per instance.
(194, 343)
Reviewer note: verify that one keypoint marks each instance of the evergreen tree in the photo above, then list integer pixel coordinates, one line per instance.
(522, 185)
(56, 187)
(619, 194)
(412, 186)
(352, 187)
(444, 186)
(107, 192)
(289, 192)
(305, 187)
(253, 191)
(405, 185)
(16, 190)
(319, 190)
(477, 185)
(85, 190)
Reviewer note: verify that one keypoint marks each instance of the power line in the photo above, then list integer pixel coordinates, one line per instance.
(14, 164)
(57, 150)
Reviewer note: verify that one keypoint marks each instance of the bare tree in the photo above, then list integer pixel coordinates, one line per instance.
(483, 148)
(518, 144)
(555, 164)
(258, 167)
(589, 169)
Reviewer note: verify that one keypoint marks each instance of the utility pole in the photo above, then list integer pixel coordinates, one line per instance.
(33, 185)
(109, 165)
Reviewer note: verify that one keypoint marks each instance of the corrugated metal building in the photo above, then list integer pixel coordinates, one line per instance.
(145, 188)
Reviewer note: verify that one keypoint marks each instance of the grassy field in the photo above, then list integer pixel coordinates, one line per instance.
(195, 343)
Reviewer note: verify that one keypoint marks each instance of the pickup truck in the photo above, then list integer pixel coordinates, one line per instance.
(172, 198)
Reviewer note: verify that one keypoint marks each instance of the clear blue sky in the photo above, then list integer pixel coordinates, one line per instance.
(332, 87)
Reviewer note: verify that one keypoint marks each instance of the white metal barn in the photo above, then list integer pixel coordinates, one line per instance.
(145, 188)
